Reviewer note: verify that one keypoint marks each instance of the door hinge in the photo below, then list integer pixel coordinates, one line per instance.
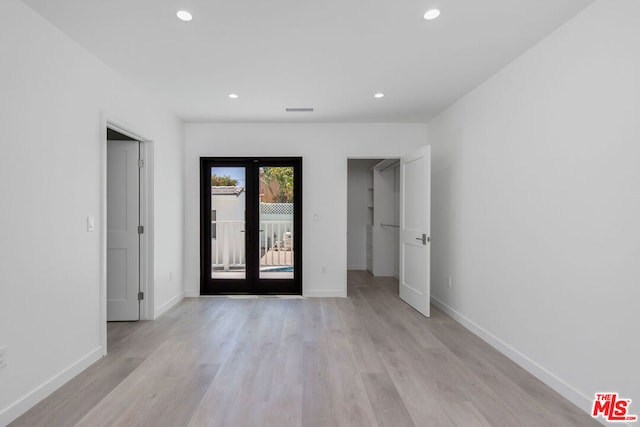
(140, 296)
(141, 229)
(140, 163)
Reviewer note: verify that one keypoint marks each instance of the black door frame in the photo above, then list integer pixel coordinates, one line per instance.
(252, 284)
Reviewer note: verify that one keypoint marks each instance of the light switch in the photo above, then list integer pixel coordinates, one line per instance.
(91, 223)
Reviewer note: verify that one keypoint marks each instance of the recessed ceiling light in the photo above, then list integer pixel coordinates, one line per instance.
(431, 14)
(379, 95)
(233, 95)
(183, 15)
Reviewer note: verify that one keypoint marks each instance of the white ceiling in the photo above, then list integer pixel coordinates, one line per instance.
(332, 55)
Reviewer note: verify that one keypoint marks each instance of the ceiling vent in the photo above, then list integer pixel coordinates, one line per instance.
(299, 110)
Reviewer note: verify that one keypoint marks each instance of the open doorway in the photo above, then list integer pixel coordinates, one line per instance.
(391, 201)
(373, 187)
(126, 228)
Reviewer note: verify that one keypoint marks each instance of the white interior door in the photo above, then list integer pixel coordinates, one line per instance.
(415, 229)
(123, 240)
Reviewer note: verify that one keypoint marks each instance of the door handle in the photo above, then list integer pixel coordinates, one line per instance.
(424, 239)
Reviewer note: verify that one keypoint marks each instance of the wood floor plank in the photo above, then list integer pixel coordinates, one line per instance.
(217, 404)
(351, 405)
(311, 318)
(416, 388)
(317, 404)
(184, 394)
(285, 406)
(387, 404)
(289, 369)
(367, 360)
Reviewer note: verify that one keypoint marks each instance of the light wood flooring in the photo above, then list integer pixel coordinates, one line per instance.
(367, 360)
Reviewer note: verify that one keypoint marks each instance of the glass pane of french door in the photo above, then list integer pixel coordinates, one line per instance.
(276, 206)
(228, 222)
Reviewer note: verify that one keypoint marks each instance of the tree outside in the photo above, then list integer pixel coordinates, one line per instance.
(277, 184)
(223, 181)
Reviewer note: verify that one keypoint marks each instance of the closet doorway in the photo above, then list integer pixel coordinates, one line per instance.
(373, 216)
(251, 226)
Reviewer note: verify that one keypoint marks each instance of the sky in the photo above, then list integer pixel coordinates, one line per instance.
(237, 173)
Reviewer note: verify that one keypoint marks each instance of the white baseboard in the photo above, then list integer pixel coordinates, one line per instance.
(356, 267)
(191, 293)
(566, 390)
(39, 393)
(333, 293)
(167, 305)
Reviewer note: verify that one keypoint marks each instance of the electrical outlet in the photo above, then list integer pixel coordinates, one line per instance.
(450, 282)
(324, 269)
(170, 275)
(3, 357)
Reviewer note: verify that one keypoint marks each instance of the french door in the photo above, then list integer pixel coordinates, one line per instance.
(251, 225)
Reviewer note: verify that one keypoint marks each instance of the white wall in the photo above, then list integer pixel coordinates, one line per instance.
(325, 149)
(54, 98)
(358, 172)
(536, 206)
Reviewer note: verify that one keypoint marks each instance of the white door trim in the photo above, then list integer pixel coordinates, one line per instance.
(146, 215)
